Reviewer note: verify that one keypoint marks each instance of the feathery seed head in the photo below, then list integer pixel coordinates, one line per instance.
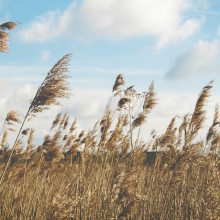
(199, 114)
(54, 87)
(26, 131)
(118, 82)
(150, 100)
(57, 120)
(13, 116)
(4, 36)
(8, 25)
(122, 102)
(139, 120)
(73, 126)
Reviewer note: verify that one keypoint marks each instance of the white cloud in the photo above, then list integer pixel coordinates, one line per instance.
(199, 60)
(8, 93)
(187, 29)
(116, 19)
(87, 104)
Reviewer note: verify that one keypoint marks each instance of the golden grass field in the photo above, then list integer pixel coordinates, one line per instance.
(107, 172)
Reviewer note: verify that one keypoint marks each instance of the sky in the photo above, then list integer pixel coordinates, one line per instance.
(176, 43)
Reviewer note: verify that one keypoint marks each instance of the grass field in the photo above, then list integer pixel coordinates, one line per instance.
(107, 172)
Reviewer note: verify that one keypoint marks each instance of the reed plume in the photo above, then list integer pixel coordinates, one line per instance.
(212, 135)
(11, 120)
(199, 114)
(8, 25)
(25, 131)
(105, 124)
(56, 121)
(118, 83)
(149, 104)
(66, 123)
(169, 138)
(73, 127)
(54, 87)
(4, 36)
(30, 144)
(122, 102)
(4, 140)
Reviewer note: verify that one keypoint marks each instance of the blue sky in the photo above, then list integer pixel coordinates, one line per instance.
(174, 42)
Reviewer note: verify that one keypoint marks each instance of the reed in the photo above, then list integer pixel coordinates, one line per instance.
(98, 174)
(109, 171)
(54, 87)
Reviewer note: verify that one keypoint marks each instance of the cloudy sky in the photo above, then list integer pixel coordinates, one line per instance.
(174, 42)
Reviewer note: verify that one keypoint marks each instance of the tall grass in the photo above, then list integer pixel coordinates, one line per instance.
(110, 171)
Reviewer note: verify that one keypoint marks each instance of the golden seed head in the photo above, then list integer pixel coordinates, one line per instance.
(118, 82)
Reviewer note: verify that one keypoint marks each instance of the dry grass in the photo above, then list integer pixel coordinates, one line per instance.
(110, 186)
(113, 176)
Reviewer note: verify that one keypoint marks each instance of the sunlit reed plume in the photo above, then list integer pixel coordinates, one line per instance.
(216, 122)
(149, 104)
(57, 120)
(118, 83)
(199, 114)
(54, 87)
(10, 121)
(30, 144)
(4, 140)
(4, 36)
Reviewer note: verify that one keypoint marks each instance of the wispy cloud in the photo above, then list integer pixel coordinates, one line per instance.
(46, 27)
(37, 73)
(45, 55)
(114, 19)
(18, 70)
(199, 60)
